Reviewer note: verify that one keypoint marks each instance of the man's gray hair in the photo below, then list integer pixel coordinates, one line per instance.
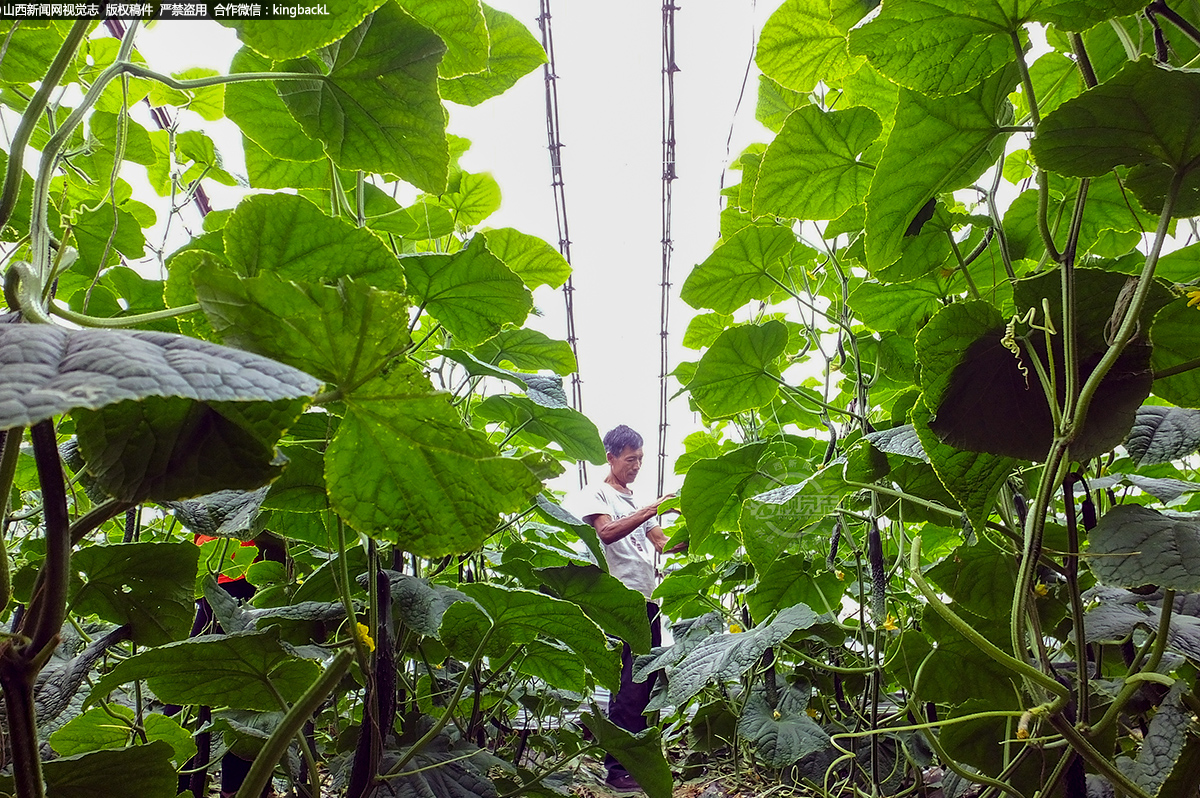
(620, 438)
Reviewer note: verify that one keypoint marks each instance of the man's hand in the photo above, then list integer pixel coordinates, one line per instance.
(662, 499)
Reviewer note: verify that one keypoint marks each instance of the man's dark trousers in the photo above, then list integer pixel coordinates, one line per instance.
(625, 708)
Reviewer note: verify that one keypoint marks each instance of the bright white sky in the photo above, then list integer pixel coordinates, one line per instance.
(608, 58)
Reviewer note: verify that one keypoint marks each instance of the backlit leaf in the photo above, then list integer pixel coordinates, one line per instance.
(527, 350)
(532, 259)
(461, 25)
(514, 53)
(813, 170)
(1145, 117)
(946, 143)
(291, 237)
(341, 334)
(471, 292)
(302, 34)
(748, 265)
(262, 116)
(800, 45)
(403, 468)
(740, 371)
(375, 103)
(570, 429)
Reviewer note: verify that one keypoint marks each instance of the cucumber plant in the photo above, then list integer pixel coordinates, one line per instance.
(305, 369)
(948, 360)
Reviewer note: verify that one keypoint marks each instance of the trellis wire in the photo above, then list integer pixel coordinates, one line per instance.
(554, 142)
(669, 68)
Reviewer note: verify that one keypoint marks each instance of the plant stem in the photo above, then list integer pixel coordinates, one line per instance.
(117, 322)
(975, 638)
(1189, 30)
(291, 725)
(1178, 368)
(1151, 666)
(48, 607)
(17, 678)
(8, 470)
(33, 112)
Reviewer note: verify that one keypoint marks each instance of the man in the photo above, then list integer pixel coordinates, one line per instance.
(631, 535)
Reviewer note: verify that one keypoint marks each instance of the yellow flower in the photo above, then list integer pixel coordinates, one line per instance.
(1193, 298)
(841, 575)
(889, 623)
(364, 634)
(812, 713)
(1041, 590)
(776, 715)
(733, 627)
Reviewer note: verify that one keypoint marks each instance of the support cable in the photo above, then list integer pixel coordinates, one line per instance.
(669, 68)
(554, 142)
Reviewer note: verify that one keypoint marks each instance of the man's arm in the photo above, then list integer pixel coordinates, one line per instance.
(610, 531)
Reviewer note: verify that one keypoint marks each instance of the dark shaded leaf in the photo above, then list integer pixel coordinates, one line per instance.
(146, 585)
(143, 770)
(1162, 434)
(1133, 546)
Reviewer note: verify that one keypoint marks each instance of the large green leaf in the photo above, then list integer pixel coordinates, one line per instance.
(801, 45)
(532, 259)
(242, 671)
(143, 770)
(31, 48)
(289, 236)
(147, 585)
(99, 729)
(813, 169)
(781, 738)
(981, 578)
(472, 293)
(1108, 208)
(527, 350)
(342, 334)
(740, 371)
(402, 467)
(374, 100)
(569, 428)
(775, 103)
(619, 611)
(1145, 117)
(641, 754)
(1132, 546)
(725, 657)
(206, 416)
(713, 483)
(514, 53)
(263, 118)
(948, 46)
(97, 238)
(503, 617)
(776, 520)
(472, 198)
(748, 265)
(276, 40)
(938, 144)
(904, 308)
(462, 27)
(1176, 337)
(793, 579)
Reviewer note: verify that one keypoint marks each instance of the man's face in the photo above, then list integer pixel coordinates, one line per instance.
(626, 465)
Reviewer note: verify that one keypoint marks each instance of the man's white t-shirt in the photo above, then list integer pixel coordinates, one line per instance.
(630, 559)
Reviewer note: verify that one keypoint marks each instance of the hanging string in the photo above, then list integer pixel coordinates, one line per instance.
(669, 68)
(554, 142)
